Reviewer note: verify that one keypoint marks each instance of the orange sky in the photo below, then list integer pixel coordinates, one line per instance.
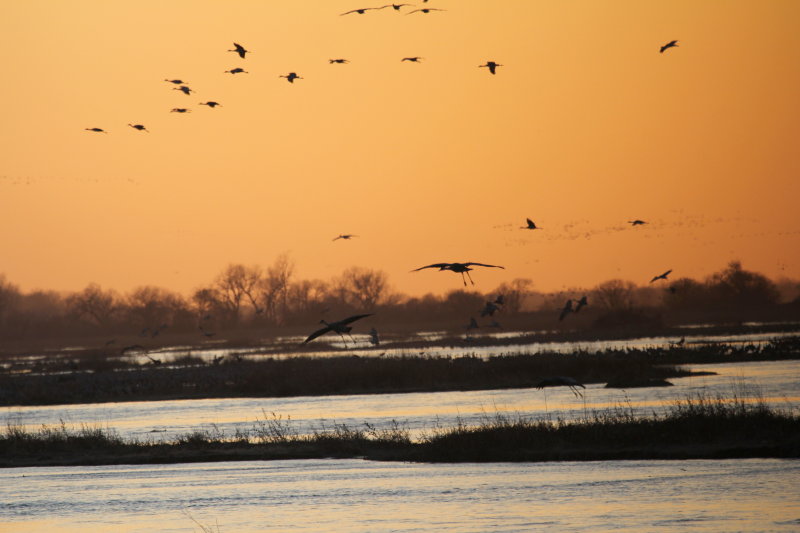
(585, 126)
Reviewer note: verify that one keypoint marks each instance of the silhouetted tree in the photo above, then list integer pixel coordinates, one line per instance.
(274, 290)
(362, 288)
(153, 306)
(614, 295)
(514, 294)
(94, 305)
(234, 285)
(9, 296)
(735, 286)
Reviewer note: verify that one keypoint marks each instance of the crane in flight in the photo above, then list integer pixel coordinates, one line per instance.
(340, 61)
(460, 268)
(340, 326)
(415, 59)
(661, 276)
(138, 127)
(345, 236)
(96, 130)
(184, 89)
(671, 44)
(561, 381)
(531, 225)
(176, 82)
(237, 70)
(396, 7)
(566, 310)
(290, 77)
(425, 10)
(583, 302)
(211, 103)
(491, 65)
(239, 49)
(636, 222)
(360, 11)
(180, 110)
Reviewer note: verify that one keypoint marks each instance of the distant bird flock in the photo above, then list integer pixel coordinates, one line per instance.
(342, 327)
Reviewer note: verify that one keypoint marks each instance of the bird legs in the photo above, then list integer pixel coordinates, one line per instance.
(464, 278)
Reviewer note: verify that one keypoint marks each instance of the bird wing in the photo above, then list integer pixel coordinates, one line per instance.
(483, 265)
(317, 333)
(435, 265)
(667, 273)
(353, 318)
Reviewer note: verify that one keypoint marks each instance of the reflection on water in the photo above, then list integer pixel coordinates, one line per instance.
(777, 381)
(353, 495)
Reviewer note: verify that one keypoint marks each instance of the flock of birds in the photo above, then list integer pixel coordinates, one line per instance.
(344, 326)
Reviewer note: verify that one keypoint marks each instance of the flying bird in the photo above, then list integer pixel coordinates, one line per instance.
(341, 327)
(212, 104)
(662, 276)
(180, 110)
(239, 49)
(345, 236)
(237, 70)
(396, 7)
(184, 89)
(412, 59)
(460, 268)
(96, 130)
(291, 77)
(636, 222)
(340, 61)
(583, 302)
(138, 127)
(489, 309)
(561, 381)
(531, 225)
(491, 65)
(176, 82)
(359, 11)
(566, 310)
(425, 10)
(671, 44)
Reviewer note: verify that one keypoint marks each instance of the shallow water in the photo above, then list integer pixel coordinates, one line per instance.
(777, 382)
(354, 495)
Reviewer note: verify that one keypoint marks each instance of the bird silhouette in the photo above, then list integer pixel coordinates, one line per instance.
(460, 268)
(561, 381)
(291, 77)
(184, 89)
(661, 276)
(671, 44)
(345, 236)
(396, 7)
(212, 104)
(180, 110)
(415, 59)
(239, 49)
(96, 130)
(491, 65)
(473, 324)
(636, 222)
(340, 61)
(566, 310)
(373, 337)
(489, 309)
(500, 300)
(531, 225)
(583, 302)
(425, 10)
(138, 127)
(340, 326)
(360, 11)
(176, 82)
(237, 70)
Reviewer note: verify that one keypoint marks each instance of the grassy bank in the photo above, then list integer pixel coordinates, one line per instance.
(309, 376)
(696, 427)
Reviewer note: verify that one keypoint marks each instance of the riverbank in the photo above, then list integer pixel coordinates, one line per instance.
(698, 427)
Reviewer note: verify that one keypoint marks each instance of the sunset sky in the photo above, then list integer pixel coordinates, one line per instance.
(585, 127)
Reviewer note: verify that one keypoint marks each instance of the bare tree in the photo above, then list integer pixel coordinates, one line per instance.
(234, 285)
(362, 288)
(614, 295)
(154, 306)
(9, 296)
(514, 294)
(94, 304)
(274, 289)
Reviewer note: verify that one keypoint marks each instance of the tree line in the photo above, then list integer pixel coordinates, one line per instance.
(242, 297)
